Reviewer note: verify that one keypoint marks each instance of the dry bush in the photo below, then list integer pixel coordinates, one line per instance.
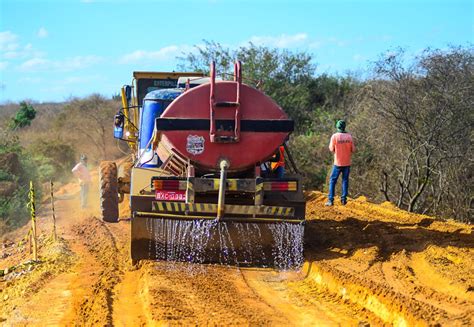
(85, 125)
(415, 123)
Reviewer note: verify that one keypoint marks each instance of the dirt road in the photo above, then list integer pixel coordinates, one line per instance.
(365, 264)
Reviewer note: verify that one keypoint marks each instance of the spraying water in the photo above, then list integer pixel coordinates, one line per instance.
(278, 245)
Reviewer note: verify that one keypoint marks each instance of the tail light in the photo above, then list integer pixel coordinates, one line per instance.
(169, 185)
(281, 186)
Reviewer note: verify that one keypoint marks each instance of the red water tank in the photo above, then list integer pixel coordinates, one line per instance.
(223, 120)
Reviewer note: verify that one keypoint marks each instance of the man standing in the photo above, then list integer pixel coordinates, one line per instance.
(82, 173)
(343, 146)
(278, 166)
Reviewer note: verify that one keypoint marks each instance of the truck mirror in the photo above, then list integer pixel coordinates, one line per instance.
(128, 92)
(119, 120)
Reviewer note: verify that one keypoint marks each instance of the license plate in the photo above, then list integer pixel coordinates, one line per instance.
(170, 195)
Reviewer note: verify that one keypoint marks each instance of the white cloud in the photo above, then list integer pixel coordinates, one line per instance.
(22, 52)
(66, 65)
(281, 41)
(42, 33)
(315, 45)
(10, 47)
(34, 60)
(54, 89)
(80, 79)
(78, 62)
(30, 80)
(166, 53)
(33, 64)
(338, 42)
(358, 57)
(10, 55)
(8, 41)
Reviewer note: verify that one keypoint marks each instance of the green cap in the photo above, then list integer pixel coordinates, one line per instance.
(341, 125)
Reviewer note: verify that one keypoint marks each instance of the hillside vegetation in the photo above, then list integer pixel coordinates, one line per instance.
(44, 147)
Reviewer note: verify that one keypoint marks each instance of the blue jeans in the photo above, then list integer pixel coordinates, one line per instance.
(280, 172)
(336, 170)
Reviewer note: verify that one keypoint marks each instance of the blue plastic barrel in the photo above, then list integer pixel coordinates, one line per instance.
(154, 103)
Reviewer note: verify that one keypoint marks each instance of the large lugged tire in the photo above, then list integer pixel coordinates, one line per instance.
(108, 184)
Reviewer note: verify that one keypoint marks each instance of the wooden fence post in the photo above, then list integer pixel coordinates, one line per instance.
(30, 242)
(31, 205)
(55, 237)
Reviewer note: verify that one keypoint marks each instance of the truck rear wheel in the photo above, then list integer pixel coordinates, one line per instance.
(108, 183)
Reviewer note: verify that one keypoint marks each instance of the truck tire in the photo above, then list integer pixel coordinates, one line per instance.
(108, 184)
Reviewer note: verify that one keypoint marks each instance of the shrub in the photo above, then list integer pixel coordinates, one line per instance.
(24, 116)
(312, 158)
(16, 171)
(53, 158)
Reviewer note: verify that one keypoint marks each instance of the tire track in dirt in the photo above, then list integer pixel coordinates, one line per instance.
(129, 306)
(129, 295)
(118, 297)
(98, 287)
(288, 294)
(97, 307)
(408, 281)
(203, 295)
(65, 291)
(401, 266)
(388, 305)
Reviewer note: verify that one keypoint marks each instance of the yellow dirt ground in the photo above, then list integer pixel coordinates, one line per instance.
(366, 264)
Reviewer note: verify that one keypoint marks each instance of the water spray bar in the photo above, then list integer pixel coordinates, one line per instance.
(140, 214)
(212, 208)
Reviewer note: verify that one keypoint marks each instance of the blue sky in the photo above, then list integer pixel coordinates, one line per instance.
(52, 50)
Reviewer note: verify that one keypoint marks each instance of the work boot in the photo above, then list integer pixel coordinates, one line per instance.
(343, 202)
(329, 203)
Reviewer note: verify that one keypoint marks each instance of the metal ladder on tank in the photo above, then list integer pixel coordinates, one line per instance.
(216, 134)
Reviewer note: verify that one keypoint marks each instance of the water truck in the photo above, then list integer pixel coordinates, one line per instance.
(199, 179)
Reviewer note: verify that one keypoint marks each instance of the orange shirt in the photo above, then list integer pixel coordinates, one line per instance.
(343, 146)
(281, 161)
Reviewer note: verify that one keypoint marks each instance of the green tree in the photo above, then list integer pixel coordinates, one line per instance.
(200, 60)
(281, 74)
(16, 171)
(24, 116)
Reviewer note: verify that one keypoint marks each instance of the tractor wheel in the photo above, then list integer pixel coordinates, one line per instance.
(109, 199)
